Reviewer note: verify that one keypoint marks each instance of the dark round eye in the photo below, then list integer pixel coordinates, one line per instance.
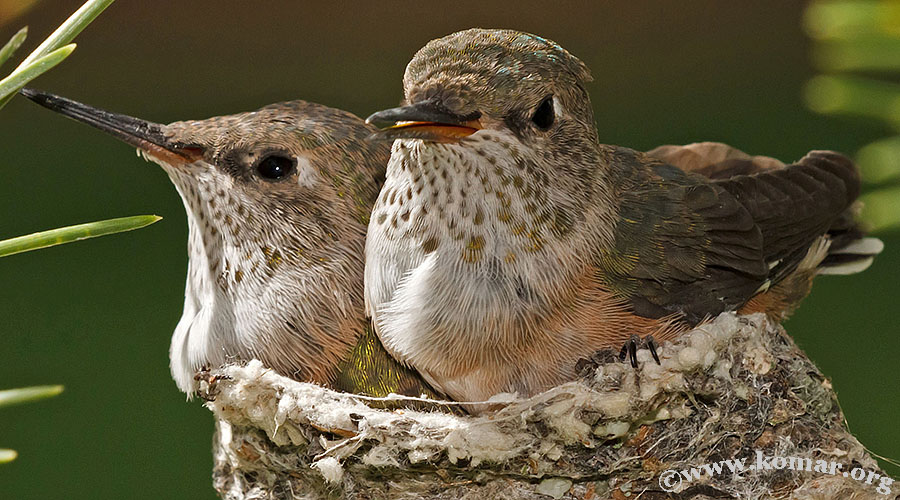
(275, 167)
(543, 116)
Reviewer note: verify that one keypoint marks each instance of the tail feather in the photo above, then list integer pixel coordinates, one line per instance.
(851, 258)
(844, 249)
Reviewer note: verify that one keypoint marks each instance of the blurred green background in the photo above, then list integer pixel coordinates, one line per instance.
(96, 316)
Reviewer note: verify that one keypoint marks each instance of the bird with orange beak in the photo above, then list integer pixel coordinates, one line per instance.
(277, 202)
(508, 243)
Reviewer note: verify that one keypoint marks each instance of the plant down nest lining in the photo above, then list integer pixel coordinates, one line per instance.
(726, 390)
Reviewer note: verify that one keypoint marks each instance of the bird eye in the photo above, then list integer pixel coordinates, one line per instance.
(275, 167)
(543, 116)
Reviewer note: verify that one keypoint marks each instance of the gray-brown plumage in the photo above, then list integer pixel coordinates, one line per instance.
(507, 242)
(277, 202)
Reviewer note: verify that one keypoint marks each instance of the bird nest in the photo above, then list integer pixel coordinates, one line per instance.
(734, 388)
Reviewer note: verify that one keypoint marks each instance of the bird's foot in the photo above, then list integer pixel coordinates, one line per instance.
(206, 388)
(634, 343)
(586, 366)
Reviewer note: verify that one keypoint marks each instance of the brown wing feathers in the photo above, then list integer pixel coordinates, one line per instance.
(699, 248)
(795, 205)
(683, 245)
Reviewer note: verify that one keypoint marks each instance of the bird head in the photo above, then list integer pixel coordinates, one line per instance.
(500, 80)
(277, 203)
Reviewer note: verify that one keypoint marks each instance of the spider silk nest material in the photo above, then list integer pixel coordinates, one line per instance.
(724, 390)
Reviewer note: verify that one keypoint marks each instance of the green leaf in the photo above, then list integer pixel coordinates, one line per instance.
(28, 394)
(855, 95)
(878, 161)
(881, 209)
(859, 54)
(12, 45)
(64, 34)
(69, 29)
(848, 19)
(7, 455)
(20, 77)
(74, 233)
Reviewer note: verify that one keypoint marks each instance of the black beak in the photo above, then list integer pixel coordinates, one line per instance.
(427, 120)
(144, 135)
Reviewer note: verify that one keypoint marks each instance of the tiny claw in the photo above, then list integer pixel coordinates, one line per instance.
(633, 344)
(651, 344)
(630, 350)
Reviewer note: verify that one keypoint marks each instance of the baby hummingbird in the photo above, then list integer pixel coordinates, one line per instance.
(277, 202)
(508, 243)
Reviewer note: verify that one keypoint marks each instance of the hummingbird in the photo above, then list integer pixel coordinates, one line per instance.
(277, 203)
(508, 243)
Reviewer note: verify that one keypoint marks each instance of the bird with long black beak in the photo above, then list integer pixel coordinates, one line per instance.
(508, 242)
(277, 202)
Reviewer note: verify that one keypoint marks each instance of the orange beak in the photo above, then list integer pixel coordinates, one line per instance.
(427, 120)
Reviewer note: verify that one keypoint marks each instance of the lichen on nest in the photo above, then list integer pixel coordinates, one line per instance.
(724, 390)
